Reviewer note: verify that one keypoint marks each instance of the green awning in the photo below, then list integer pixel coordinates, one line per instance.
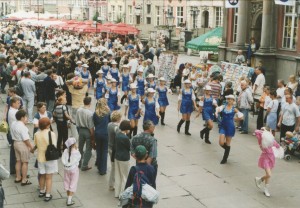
(208, 41)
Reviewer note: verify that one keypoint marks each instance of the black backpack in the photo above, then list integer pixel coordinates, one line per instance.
(51, 153)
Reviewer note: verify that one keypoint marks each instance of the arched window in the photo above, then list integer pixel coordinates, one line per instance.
(205, 19)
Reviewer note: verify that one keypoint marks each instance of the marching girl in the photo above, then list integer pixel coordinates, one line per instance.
(133, 107)
(99, 85)
(206, 107)
(151, 83)
(125, 80)
(114, 72)
(112, 96)
(162, 99)
(108, 82)
(226, 126)
(140, 82)
(151, 107)
(85, 74)
(267, 159)
(186, 101)
(105, 68)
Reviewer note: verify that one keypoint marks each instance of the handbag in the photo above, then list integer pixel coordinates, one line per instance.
(51, 153)
(4, 127)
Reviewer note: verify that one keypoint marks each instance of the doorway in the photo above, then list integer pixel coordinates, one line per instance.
(256, 28)
(205, 19)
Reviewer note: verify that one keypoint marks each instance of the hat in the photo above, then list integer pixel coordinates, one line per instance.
(113, 80)
(85, 66)
(109, 77)
(150, 76)
(229, 97)
(104, 60)
(70, 141)
(133, 86)
(79, 62)
(151, 90)
(207, 87)
(187, 81)
(125, 66)
(140, 69)
(99, 71)
(149, 60)
(162, 79)
(140, 151)
(114, 62)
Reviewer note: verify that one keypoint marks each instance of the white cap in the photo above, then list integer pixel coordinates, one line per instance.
(187, 81)
(99, 71)
(151, 90)
(149, 60)
(162, 79)
(132, 86)
(114, 62)
(104, 60)
(70, 142)
(85, 66)
(150, 76)
(207, 87)
(109, 77)
(113, 80)
(140, 69)
(230, 97)
(125, 66)
(79, 62)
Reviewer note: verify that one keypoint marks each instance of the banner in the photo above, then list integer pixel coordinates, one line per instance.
(285, 2)
(232, 3)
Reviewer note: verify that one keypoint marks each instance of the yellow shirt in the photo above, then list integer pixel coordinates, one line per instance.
(41, 140)
(77, 95)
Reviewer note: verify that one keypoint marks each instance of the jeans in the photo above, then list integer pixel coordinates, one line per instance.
(28, 105)
(245, 120)
(85, 138)
(102, 151)
(62, 130)
(12, 159)
(50, 105)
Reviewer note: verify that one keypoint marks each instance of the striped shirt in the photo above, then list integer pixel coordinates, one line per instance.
(215, 89)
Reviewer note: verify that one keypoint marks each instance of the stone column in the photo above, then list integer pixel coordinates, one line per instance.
(225, 25)
(242, 24)
(267, 26)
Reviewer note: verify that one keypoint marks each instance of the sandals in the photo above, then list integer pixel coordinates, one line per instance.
(18, 181)
(48, 198)
(42, 194)
(70, 204)
(26, 183)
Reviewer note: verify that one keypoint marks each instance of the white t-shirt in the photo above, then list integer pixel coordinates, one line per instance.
(260, 82)
(19, 131)
(280, 92)
(267, 102)
(11, 115)
(133, 64)
(273, 105)
(290, 113)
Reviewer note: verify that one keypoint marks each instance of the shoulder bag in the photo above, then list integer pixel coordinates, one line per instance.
(51, 153)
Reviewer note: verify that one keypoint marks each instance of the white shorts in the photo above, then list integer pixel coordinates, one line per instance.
(48, 167)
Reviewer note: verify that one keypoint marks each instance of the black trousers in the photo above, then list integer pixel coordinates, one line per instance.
(284, 129)
(260, 118)
(62, 130)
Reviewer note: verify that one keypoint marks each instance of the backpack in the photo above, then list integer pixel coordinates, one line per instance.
(19, 89)
(139, 180)
(51, 152)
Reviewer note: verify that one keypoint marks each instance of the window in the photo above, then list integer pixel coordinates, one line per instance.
(157, 15)
(148, 20)
(130, 15)
(235, 20)
(219, 16)
(113, 13)
(148, 8)
(179, 16)
(290, 28)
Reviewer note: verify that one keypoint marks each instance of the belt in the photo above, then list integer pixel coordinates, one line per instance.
(83, 127)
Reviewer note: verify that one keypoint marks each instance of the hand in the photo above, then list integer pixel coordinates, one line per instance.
(93, 144)
(279, 124)
(297, 129)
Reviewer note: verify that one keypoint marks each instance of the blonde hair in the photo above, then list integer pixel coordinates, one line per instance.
(115, 116)
(102, 108)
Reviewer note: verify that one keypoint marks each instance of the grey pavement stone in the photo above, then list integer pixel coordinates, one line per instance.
(179, 202)
(15, 206)
(19, 198)
(11, 190)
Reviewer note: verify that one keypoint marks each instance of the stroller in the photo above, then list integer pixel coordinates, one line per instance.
(291, 145)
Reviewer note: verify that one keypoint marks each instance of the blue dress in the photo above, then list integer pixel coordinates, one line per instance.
(115, 74)
(186, 106)
(105, 70)
(207, 112)
(150, 112)
(162, 99)
(226, 126)
(86, 75)
(99, 88)
(112, 101)
(141, 86)
(125, 82)
(153, 86)
(133, 107)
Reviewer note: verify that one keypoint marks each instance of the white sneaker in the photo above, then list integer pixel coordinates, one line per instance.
(267, 191)
(258, 182)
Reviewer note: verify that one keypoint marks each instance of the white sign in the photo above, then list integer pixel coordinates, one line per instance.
(232, 3)
(285, 2)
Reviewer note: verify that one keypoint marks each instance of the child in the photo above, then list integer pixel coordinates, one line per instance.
(70, 160)
(291, 140)
(267, 159)
(272, 112)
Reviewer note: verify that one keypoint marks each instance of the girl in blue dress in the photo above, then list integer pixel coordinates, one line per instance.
(113, 96)
(105, 68)
(85, 74)
(206, 107)
(107, 82)
(226, 126)
(151, 83)
(114, 72)
(151, 107)
(162, 99)
(186, 101)
(99, 85)
(125, 80)
(140, 82)
(133, 107)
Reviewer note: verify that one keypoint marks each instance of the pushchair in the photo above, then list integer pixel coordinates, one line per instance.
(291, 148)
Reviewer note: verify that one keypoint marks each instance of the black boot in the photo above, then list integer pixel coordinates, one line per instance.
(179, 125)
(130, 133)
(162, 118)
(86, 94)
(203, 132)
(207, 136)
(122, 99)
(187, 127)
(226, 154)
(135, 131)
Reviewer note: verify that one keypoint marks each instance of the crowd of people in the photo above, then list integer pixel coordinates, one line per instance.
(61, 74)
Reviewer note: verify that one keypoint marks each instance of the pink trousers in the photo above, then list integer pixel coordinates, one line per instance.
(71, 179)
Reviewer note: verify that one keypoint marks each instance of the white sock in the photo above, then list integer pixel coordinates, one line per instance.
(48, 195)
(69, 199)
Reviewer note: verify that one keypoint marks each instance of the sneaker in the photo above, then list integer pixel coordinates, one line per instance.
(266, 192)
(258, 182)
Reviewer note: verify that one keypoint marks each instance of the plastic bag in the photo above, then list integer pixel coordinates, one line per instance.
(278, 152)
(150, 194)
(4, 127)
(4, 174)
